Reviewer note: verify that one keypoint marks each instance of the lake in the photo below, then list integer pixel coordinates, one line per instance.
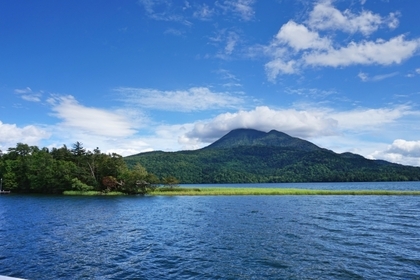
(213, 237)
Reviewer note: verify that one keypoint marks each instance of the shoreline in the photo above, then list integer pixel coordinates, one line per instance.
(248, 192)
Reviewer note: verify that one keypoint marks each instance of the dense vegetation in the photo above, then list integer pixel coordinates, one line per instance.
(273, 191)
(32, 170)
(249, 156)
(242, 156)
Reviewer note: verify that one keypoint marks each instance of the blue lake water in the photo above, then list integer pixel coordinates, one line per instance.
(321, 186)
(220, 237)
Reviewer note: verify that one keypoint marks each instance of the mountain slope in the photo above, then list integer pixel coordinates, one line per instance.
(251, 137)
(247, 156)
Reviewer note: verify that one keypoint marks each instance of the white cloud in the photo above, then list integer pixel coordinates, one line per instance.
(169, 10)
(310, 92)
(204, 12)
(10, 135)
(299, 37)
(231, 42)
(241, 7)
(175, 32)
(226, 40)
(379, 52)
(163, 138)
(324, 16)
(23, 91)
(418, 70)
(160, 10)
(365, 77)
(405, 148)
(91, 121)
(278, 66)
(401, 151)
(312, 123)
(384, 76)
(124, 147)
(297, 123)
(298, 46)
(28, 95)
(231, 79)
(193, 99)
(368, 119)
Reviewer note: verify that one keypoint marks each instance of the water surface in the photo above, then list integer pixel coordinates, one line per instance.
(220, 237)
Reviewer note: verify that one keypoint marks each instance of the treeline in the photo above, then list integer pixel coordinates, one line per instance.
(29, 169)
(264, 164)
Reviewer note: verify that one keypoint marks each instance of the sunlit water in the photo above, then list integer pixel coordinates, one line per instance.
(212, 237)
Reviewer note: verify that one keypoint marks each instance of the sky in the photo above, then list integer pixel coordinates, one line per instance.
(142, 75)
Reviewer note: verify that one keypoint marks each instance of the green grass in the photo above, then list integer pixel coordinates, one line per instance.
(273, 191)
(91, 193)
(248, 191)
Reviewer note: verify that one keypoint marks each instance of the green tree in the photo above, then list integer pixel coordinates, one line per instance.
(133, 181)
(170, 182)
(62, 153)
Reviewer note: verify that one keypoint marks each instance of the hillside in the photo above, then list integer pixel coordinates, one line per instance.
(250, 137)
(251, 156)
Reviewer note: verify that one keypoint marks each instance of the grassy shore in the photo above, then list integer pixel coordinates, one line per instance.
(91, 193)
(273, 191)
(249, 191)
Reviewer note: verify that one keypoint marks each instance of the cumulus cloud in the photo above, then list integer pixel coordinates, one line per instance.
(314, 42)
(401, 151)
(297, 123)
(379, 52)
(10, 134)
(306, 123)
(405, 148)
(193, 99)
(325, 16)
(299, 37)
(89, 120)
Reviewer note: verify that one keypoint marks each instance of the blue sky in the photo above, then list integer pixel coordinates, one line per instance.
(140, 75)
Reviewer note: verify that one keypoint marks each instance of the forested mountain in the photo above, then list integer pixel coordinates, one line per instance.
(251, 137)
(251, 156)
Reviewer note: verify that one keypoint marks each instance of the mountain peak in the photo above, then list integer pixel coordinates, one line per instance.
(251, 137)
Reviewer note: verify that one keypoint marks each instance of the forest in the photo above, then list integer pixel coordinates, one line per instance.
(29, 169)
(263, 164)
(241, 156)
(252, 156)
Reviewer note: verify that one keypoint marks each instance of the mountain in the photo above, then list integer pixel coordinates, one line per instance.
(252, 156)
(251, 137)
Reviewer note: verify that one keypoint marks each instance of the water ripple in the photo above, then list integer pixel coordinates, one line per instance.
(262, 237)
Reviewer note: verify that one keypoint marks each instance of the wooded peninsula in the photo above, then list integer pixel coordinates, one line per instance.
(241, 156)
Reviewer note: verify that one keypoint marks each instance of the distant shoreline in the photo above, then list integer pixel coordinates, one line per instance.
(249, 192)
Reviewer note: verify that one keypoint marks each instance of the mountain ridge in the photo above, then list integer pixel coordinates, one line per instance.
(252, 156)
(253, 137)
